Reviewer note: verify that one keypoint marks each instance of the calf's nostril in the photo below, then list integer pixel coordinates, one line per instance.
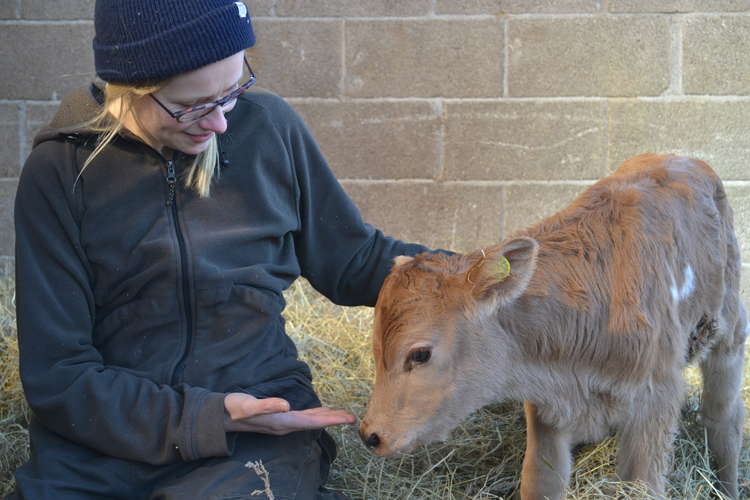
(372, 440)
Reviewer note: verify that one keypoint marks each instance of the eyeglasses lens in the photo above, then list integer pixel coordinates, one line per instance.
(196, 114)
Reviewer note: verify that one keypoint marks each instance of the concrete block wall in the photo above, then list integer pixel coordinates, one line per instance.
(452, 123)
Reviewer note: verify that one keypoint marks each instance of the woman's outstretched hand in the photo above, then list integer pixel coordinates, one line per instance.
(246, 413)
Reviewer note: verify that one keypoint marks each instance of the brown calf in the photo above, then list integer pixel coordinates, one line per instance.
(589, 317)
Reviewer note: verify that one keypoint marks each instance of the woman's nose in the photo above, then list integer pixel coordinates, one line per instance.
(215, 121)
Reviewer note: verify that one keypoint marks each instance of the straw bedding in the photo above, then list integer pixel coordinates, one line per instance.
(482, 459)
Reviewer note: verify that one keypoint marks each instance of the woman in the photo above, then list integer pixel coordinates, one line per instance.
(158, 220)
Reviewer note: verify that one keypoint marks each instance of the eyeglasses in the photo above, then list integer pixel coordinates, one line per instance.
(194, 113)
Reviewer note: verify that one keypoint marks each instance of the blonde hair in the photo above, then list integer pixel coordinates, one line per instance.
(108, 124)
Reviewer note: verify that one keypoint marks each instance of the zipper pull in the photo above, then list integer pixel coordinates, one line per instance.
(172, 181)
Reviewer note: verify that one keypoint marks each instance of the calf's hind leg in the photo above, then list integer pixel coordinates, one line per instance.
(546, 463)
(722, 408)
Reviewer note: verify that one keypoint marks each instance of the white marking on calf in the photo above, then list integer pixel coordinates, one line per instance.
(688, 285)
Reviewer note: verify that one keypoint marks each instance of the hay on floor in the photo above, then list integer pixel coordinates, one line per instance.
(481, 461)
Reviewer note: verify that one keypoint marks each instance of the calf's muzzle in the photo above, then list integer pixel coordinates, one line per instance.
(371, 441)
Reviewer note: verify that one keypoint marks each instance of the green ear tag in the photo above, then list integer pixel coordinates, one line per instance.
(503, 269)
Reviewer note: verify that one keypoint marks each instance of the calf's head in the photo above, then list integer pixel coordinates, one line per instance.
(439, 350)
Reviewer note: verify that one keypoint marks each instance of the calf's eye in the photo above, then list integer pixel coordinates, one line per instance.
(419, 356)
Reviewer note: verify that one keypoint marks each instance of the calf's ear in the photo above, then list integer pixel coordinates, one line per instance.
(503, 272)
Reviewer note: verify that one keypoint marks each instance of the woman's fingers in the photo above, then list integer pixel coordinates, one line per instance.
(240, 405)
(317, 418)
(292, 421)
(253, 407)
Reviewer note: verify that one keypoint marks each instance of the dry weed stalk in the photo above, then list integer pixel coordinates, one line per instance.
(262, 473)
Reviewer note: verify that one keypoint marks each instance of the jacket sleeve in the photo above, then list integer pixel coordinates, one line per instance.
(69, 388)
(343, 257)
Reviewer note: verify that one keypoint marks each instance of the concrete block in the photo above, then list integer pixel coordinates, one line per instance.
(713, 61)
(672, 6)
(496, 7)
(59, 9)
(84, 9)
(424, 58)
(260, 8)
(38, 115)
(9, 9)
(7, 267)
(745, 285)
(527, 204)
(525, 140)
(377, 140)
(712, 130)
(298, 58)
(589, 56)
(450, 216)
(353, 8)
(7, 233)
(61, 54)
(9, 146)
(739, 199)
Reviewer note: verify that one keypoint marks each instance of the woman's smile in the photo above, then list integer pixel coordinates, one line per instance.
(200, 138)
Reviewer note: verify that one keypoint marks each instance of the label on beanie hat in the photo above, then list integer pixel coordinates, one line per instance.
(241, 8)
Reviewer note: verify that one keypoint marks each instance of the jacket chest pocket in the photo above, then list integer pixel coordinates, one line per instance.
(236, 311)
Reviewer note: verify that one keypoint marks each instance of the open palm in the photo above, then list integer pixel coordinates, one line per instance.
(272, 416)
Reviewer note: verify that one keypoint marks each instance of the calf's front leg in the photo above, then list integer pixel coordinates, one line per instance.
(547, 462)
(647, 438)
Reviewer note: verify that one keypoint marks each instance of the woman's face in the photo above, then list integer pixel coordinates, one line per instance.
(160, 130)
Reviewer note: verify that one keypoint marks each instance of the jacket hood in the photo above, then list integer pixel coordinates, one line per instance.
(76, 108)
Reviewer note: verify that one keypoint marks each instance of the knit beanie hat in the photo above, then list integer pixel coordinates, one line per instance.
(143, 41)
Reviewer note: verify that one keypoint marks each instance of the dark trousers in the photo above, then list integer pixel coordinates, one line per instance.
(296, 467)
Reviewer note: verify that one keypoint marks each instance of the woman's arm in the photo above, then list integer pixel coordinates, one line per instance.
(343, 257)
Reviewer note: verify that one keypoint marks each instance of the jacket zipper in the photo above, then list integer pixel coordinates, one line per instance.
(172, 203)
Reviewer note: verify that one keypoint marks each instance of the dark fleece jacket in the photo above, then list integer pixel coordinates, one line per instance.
(139, 307)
